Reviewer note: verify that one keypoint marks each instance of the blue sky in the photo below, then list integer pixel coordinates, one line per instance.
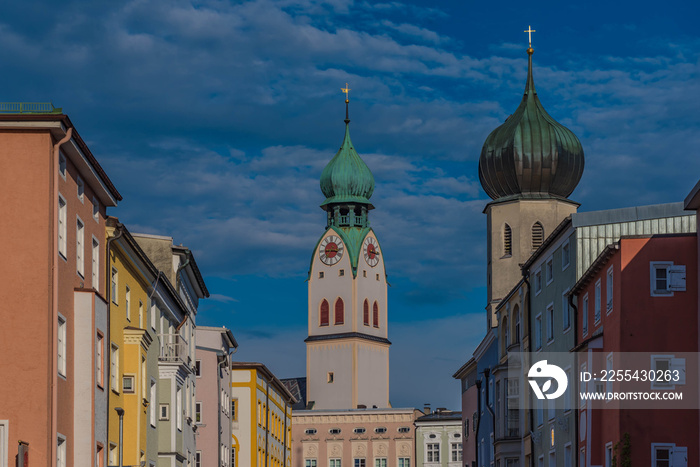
(214, 119)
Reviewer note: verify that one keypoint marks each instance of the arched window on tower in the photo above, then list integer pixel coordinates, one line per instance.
(375, 312)
(516, 319)
(507, 241)
(324, 312)
(339, 311)
(506, 335)
(365, 314)
(537, 235)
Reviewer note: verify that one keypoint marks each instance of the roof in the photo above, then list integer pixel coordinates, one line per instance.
(272, 379)
(593, 269)
(465, 369)
(297, 387)
(226, 333)
(59, 131)
(195, 268)
(348, 335)
(443, 415)
(635, 213)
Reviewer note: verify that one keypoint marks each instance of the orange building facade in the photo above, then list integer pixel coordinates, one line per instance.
(54, 282)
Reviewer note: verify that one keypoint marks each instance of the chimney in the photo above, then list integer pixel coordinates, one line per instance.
(426, 408)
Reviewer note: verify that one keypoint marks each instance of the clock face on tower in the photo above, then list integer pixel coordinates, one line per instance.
(331, 250)
(371, 251)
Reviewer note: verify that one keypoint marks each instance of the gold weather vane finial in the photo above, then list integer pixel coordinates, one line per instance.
(346, 90)
(529, 32)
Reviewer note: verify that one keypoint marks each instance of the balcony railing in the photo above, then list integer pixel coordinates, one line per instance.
(29, 108)
(173, 348)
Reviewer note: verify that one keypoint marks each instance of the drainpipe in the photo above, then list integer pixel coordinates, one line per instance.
(120, 412)
(108, 296)
(487, 372)
(478, 421)
(526, 275)
(53, 358)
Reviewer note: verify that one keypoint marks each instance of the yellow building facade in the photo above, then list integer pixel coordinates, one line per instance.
(262, 419)
(133, 357)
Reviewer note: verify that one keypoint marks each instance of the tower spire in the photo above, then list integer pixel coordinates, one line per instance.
(346, 90)
(530, 85)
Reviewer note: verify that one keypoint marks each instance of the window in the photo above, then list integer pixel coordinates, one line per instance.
(359, 431)
(98, 455)
(114, 370)
(506, 334)
(234, 410)
(538, 332)
(198, 412)
(141, 315)
(80, 247)
(584, 315)
(81, 189)
(62, 164)
(668, 455)
(456, 452)
(334, 463)
(565, 316)
(341, 272)
(324, 313)
(128, 384)
(154, 314)
(608, 455)
(334, 431)
(404, 429)
(163, 413)
(666, 278)
(320, 275)
(668, 370)
(310, 463)
(113, 460)
(552, 458)
(339, 311)
(364, 273)
(549, 270)
(375, 314)
(380, 430)
(95, 264)
(62, 347)
(609, 289)
(540, 412)
(507, 241)
(597, 302)
(538, 282)
(61, 452)
(310, 431)
(115, 283)
(609, 367)
(565, 255)
(537, 235)
(359, 462)
(62, 227)
(516, 313)
(152, 405)
(365, 313)
(99, 359)
(550, 322)
(432, 451)
(95, 209)
(404, 462)
(377, 276)
(329, 377)
(568, 457)
(198, 368)
(380, 462)
(512, 409)
(127, 303)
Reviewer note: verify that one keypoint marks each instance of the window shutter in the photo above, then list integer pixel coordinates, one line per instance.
(678, 364)
(676, 280)
(680, 457)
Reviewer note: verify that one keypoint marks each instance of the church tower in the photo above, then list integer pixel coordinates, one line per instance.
(347, 351)
(529, 166)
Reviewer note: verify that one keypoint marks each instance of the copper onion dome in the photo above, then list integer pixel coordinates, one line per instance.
(530, 155)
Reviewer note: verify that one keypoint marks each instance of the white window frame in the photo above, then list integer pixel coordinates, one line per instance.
(62, 346)
(141, 314)
(538, 331)
(61, 450)
(566, 312)
(80, 246)
(584, 387)
(152, 403)
(598, 295)
(609, 366)
(380, 462)
(127, 303)
(198, 411)
(404, 462)
(608, 454)
(62, 226)
(131, 387)
(114, 284)
(99, 359)
(566, 264)
(62, 165)
(113, 454)
(549, 270)
(538, 281)
(609, 288)
(80, 189)
(95, 263)
(431, 452)
(154, 314)
(178, 408)
(95, 209)
(584, 315)
(550, 323)
(4, 442)
(310, 462)
(456, 451)
(114, 368)
(673, 364)
(163, 416)
(656, 446)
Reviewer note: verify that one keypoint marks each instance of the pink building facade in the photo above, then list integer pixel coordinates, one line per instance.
(54, 312)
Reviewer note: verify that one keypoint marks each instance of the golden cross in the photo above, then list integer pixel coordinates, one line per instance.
(529, 32)
(346, 90)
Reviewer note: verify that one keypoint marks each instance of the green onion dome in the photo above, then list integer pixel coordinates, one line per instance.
(530, 155)
(346, 178)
